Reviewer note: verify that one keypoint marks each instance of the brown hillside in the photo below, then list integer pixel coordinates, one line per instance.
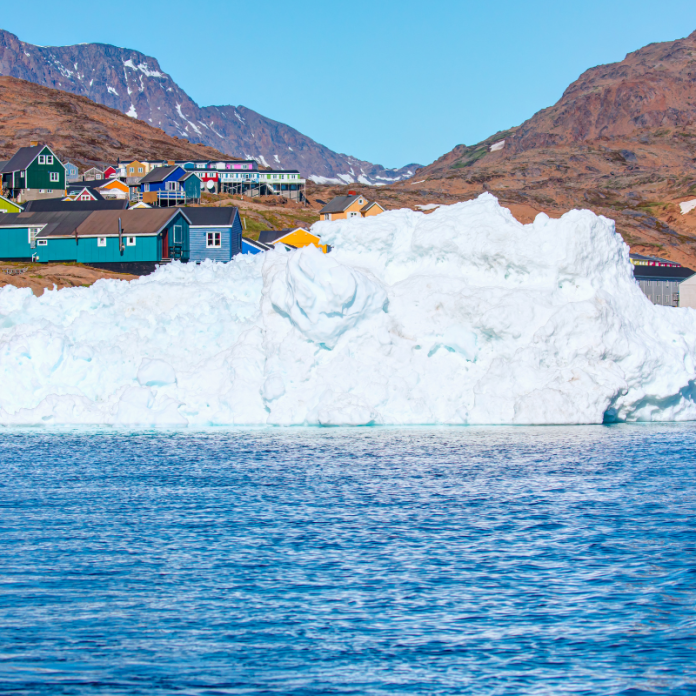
(80, 130)
(621, 141)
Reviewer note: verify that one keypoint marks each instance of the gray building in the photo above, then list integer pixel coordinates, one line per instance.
(660, 279)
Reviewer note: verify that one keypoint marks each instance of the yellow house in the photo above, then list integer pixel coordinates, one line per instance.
(8, 206)
(294, 238)
(135, 169)
(353, 205)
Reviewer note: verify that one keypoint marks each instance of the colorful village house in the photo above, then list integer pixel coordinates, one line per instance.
(8, 206)
(283, 182)
(292, 238)
(34, 172)
(135, 171)
(114, 188)
(104, 237)
(251, 246)
(351, 206)
(82, 192)
(215, 233)
(71, 172)
(48, 205)
(110, 172)
(170, 185)
(92, 174)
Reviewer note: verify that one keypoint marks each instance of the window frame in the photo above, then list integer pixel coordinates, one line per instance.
(42, 242)
(101, 241)
(180, 228)
(130, 241)
(42, 159)
(213, 240)
(54, 177)
(49, 159)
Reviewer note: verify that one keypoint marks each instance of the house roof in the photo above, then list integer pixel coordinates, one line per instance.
(79, 187)
(104, 223)
(271, 236)
(211, 217)
(339, 204)
(365, 208)
(22, 158)
(159, 174)
(7, 200)
(258, 245)
(57, 205)
(61, 224)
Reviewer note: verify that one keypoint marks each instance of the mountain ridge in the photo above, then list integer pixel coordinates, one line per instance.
(135, 84)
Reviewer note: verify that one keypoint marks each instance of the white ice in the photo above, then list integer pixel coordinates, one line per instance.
(687, 206)
(459, 316)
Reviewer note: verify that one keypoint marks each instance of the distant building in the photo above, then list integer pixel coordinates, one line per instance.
(71, 172)
(92, 174)
(34, 172)
(171, 185)
(251, 246)
(351, 206)
(662, 280)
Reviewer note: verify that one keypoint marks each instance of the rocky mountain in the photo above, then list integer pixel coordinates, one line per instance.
(621, 141)
(136, 85)
(80, 130)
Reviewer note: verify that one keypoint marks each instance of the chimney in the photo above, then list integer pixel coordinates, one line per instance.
(33, 143)
(352, 193)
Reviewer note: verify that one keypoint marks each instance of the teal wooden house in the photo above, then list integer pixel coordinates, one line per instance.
(100, 237)
(34, 168)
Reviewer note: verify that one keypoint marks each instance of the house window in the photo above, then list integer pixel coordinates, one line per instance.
(54, 176)
(21, 174)
(130, 241)
(353, 214)
(42, 242)
(42, 159)
(213, 240)
(85, 197)
(49, 159)
(178, 234)
(101, 241)
(131, 170)
(146, 188)
(50, 190)
(140, 170)
(327, 216)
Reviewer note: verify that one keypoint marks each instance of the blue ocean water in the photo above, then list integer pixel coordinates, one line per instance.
(338, 561)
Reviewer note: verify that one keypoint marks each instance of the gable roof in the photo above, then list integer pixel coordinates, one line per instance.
(104, 223)
(57, 205)
(258, 245)
(7, 200)
(61, 224)
(79, 188)
(159, 174)
(365, 208)
(340, 203)
(24, 157)
(212, 217)
(271, 236)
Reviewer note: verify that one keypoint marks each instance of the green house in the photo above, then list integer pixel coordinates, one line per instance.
(96, 237)
(8, 206)
(34, 168)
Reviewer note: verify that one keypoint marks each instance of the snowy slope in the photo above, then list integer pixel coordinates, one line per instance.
(460, 316)
(136, 85)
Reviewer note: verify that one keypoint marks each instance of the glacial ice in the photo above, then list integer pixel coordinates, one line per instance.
(459, 316)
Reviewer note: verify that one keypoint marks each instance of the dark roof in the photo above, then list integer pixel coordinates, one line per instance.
(53, 223)
(57, 205)
(2, 165)
(22, 158)
(675, 273)
(80, 186)
(211, 217)
(159, 174)
(270, 236)
(138, 221)
(340, 203)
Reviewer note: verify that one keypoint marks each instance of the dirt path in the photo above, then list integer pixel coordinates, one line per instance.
(42, 276)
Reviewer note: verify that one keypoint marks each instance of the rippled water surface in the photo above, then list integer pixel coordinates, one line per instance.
(487, 561)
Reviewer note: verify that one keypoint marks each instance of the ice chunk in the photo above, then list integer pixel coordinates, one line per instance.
(462, 315)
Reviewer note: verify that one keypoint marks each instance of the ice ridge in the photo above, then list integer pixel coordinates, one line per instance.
(460, 316)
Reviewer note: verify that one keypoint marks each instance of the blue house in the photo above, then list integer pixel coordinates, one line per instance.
(96, 237)
(166, 186)
(71, 172)
(215, 233)
(250, 246)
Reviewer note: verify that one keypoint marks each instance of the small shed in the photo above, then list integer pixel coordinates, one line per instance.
(215, 233)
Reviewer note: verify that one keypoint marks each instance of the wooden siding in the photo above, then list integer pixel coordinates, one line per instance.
(230, 242)
(14, 243)
(38, 176)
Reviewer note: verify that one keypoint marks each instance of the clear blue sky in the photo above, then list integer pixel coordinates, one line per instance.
(392, 82)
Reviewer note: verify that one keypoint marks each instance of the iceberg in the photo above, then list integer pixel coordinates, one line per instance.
(459, 316)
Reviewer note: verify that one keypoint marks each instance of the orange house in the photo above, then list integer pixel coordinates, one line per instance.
(114, 188)
(350, 206)
(135, 169)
